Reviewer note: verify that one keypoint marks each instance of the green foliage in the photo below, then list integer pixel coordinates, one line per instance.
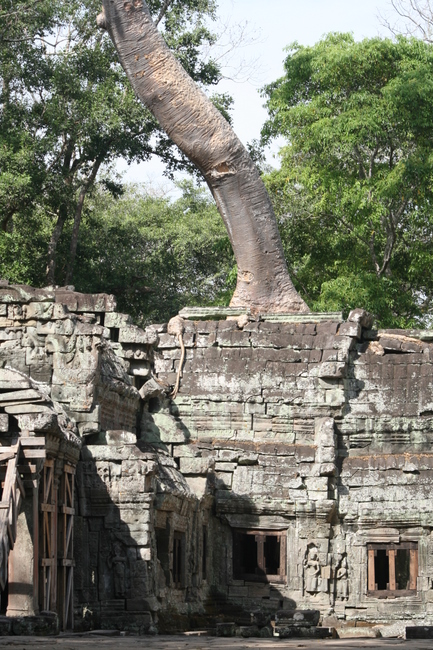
(67, 112)
(156, 256)
(354, 192)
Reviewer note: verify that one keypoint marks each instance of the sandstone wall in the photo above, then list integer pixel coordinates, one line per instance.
(314, 437)
(323, 430)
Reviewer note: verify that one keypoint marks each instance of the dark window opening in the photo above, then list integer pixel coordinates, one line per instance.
(402, 569)
(178, 560)
(381, 569)
(139, 381)
(114, 334)
(102, 318)
(392, 569)
(272, 555)
(259, 555)
(163, 551)
(248, 558)
(4, 600)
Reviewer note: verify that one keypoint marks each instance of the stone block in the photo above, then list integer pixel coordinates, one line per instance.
(353, 330)
(144, 553)
(197, 485)
(114, 319)
(328, 469)
(324, 432)
(390, 343)
(297, 617)
(332, 370)
(118, 437)
(4, 422)
(319, 484)
(87, 428)
(140, 368)
(134, 334)
(326, 455)
(191, 465)
(164, 426)
(364, 318)
(223, 480)
(335, 397)
(82, 302)
(305, 453)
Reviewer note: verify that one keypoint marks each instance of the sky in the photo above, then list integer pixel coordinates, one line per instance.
(270, 27)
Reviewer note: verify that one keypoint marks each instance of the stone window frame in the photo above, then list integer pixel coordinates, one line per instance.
(391, 548)
(260, 536)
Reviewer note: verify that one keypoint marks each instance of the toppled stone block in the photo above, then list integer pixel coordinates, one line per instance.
(151, 388)
(364, 318)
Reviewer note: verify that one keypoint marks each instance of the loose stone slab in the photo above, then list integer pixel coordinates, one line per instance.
(21, 409)
(20, 395)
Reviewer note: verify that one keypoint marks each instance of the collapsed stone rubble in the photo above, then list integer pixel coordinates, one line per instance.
(292, 472)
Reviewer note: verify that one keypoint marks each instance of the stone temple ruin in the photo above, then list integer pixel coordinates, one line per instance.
(287, 484)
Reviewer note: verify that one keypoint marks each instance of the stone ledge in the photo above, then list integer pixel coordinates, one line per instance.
(219, 313)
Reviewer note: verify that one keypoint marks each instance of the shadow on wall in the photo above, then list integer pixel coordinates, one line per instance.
(113, 582)
(161, 426)
(150, 556)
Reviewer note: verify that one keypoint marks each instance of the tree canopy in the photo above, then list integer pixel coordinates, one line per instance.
(68, 112)
(354, 192)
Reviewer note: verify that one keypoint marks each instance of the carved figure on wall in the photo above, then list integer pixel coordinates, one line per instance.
(312, 570)
(202, 133)
(118, 564)
(342, 580)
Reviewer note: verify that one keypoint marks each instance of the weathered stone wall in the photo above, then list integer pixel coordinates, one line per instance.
(323, 430)
(317, 433)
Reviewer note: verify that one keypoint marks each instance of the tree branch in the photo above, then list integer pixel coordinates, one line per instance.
(165, 7)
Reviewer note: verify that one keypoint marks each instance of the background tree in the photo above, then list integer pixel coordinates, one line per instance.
(155, 255)
(68, 111)
(354, 192)
(411, 18)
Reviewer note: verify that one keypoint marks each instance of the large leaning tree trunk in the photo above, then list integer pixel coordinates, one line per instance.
(202, 133)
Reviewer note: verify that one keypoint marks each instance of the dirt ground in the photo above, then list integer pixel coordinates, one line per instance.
(188, 642)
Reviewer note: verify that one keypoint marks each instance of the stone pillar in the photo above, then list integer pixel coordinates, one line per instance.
(23, 562)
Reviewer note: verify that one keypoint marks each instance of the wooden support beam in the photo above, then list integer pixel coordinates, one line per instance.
(391, 557)
(371, 576)
(413, 568)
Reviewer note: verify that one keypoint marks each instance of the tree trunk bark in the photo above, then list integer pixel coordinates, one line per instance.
(201, 132)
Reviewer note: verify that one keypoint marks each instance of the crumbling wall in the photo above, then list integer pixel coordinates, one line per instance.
(293, 463)
(322, 430)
